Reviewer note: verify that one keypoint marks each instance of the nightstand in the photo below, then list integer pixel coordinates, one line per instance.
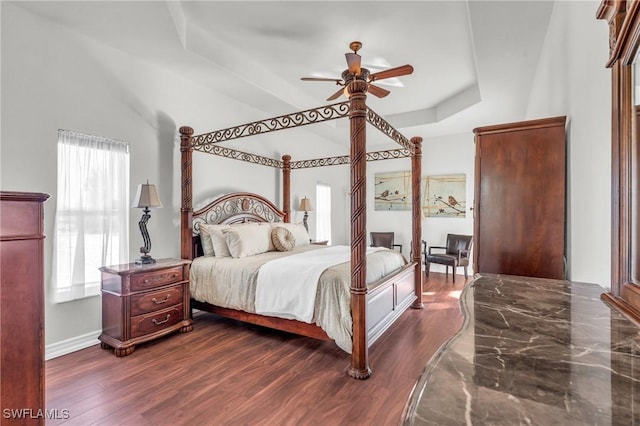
(320, 243)
(144, 302)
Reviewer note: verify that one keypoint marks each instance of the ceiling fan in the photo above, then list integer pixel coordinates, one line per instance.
(356, 71)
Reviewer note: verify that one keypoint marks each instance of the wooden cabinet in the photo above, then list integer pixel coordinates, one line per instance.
(519, 218)
(144, 302)
(22, 306)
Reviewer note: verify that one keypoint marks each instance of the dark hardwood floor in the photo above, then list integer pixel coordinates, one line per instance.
(225, 372)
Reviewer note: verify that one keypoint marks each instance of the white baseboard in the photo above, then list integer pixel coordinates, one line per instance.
(64, 347)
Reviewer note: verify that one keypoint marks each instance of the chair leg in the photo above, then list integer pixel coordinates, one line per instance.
(446, 272)
(465, 273)
(426, 267)
(453, 269)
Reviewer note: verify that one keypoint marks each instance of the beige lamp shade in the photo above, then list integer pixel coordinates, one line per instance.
(147, 196)
(305, 205)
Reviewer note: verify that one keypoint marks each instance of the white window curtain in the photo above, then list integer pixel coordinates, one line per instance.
(323, 212)
(92, 213)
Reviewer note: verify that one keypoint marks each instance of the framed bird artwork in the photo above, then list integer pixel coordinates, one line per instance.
(393, 190)
(445, 196)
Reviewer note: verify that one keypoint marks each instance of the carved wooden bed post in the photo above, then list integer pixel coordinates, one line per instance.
(286, 187)
(186, 209)
(357, 89)
(416, 249)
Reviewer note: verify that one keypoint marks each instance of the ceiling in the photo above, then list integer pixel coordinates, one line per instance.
(474, 61)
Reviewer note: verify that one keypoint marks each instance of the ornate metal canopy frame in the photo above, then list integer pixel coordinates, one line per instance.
(208, 142)
(359, 114)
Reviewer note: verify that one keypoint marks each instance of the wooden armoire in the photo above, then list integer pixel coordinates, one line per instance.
(519, 217)
(22, 307)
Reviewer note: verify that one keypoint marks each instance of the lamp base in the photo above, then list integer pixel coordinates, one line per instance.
(145, 260)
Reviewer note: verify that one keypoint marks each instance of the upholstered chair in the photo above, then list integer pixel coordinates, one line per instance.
(456, 253)
(384, 239)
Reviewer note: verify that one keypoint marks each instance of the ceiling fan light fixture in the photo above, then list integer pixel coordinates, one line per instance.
(353, 62)
(355, 71)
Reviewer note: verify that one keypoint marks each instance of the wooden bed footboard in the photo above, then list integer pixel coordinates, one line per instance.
(387, 299)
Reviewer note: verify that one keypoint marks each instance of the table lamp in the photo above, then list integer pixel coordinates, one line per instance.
(146, 198)
(305, 206)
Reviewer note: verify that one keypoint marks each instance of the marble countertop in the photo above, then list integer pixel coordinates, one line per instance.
(532, 351)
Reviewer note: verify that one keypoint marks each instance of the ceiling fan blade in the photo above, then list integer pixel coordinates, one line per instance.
(335, 80)
(392, 72)
(378, 91)
(353, 62)
(336, 95)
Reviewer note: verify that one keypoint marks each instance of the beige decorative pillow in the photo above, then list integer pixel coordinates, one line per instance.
(283, 239)
(298, 230)
(218, 243)
(205, 240)
(267, 230)
(248, 240)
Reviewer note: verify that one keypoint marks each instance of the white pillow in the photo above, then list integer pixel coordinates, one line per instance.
(298, 230)
(220, 248)
(244, 241)
(205, 240)
(217, 243)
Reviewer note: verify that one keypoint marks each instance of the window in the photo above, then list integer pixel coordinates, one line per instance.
(323, 212)
(92, 212)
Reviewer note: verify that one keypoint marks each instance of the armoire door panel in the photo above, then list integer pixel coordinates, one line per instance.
(520, 199)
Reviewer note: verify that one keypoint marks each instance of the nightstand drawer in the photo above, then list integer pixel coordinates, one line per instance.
(150, 323)
(156, 278)
(153, 301)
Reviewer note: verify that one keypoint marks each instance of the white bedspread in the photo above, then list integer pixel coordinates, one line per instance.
(280, 294)
(231, 283)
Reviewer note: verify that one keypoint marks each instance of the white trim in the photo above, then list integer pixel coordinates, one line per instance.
(64, 347)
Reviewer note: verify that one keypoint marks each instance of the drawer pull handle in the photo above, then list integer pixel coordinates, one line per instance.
(156, 322)
(160, 302)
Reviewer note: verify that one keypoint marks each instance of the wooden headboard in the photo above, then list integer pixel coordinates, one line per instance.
(238, 207)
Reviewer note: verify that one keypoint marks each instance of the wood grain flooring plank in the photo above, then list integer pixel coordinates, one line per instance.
(229, 373)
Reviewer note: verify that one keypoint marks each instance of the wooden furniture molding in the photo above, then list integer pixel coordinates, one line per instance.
(623, 18)
(22, 305)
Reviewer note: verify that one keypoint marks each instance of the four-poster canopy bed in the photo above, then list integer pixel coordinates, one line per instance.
(381, 303)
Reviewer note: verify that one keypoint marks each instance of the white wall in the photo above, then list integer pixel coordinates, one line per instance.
(444, 155)
(453, 154)
(572, 80)
(53, 78)
(303, 183)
